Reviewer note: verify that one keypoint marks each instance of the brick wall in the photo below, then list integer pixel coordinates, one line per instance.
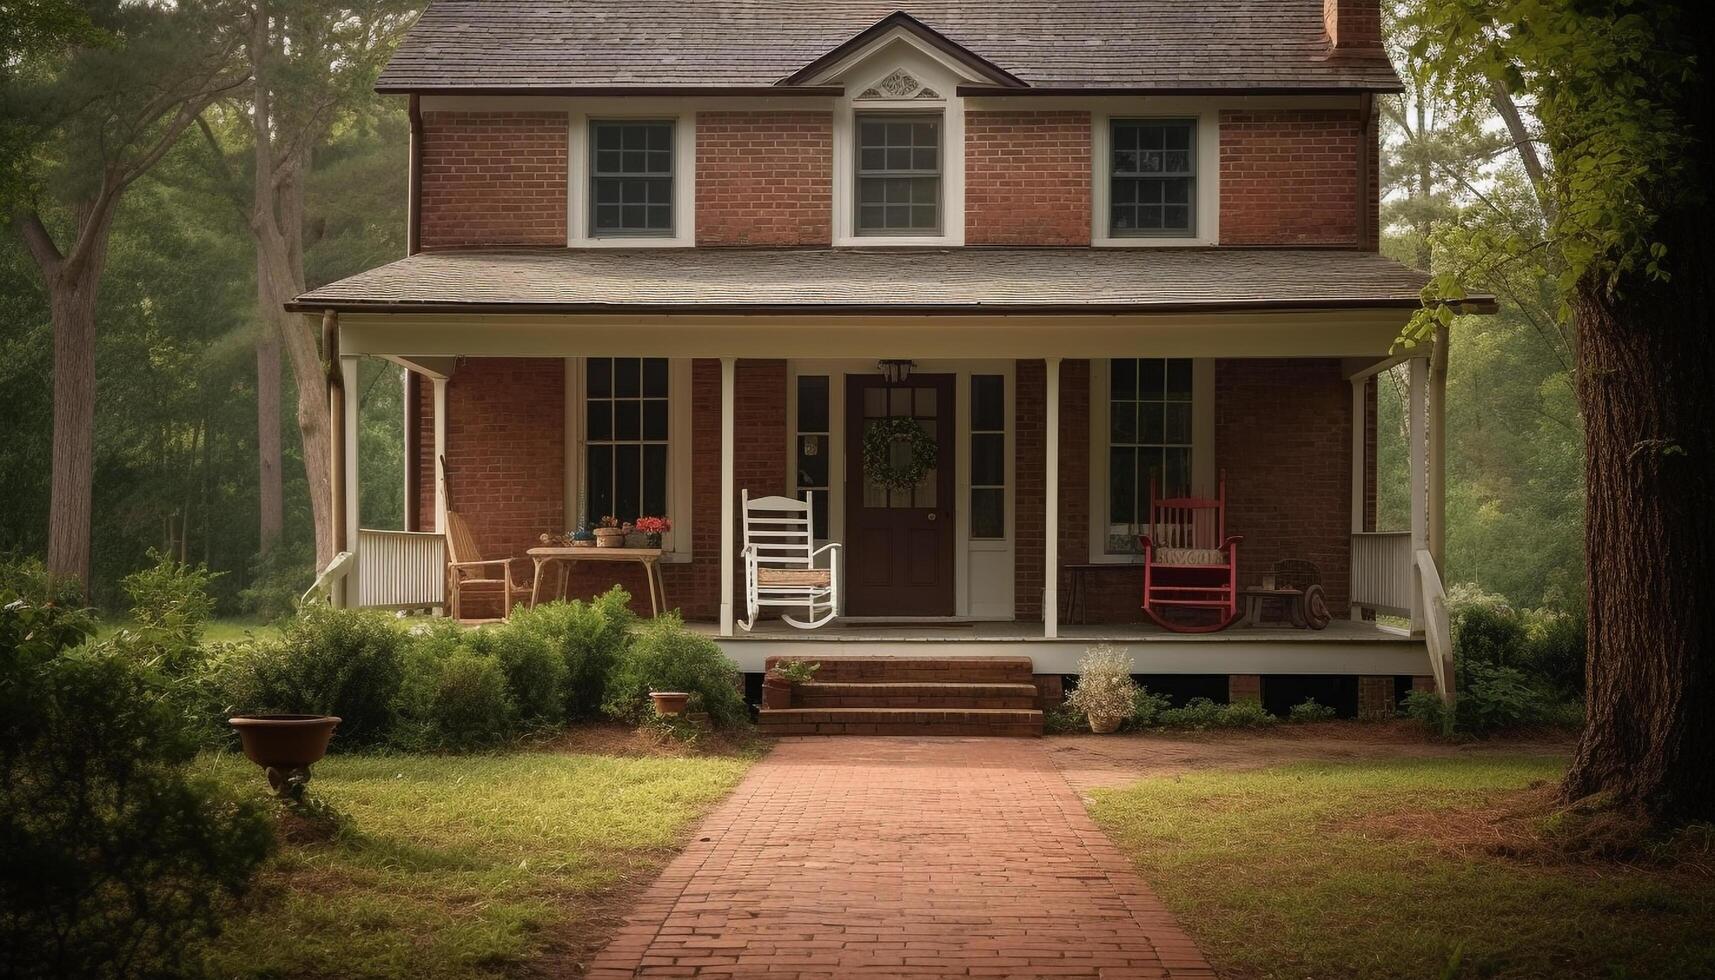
(493, 178)
(759, 460)
(1353, 25)
(1027, 178)
(1290, 177)
(1029, 401)
(764, 178)
(1283, 435)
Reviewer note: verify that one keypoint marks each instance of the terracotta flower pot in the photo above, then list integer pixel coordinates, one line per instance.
(670, 703)
(609, 537)
(1104, 724)
(285, 746)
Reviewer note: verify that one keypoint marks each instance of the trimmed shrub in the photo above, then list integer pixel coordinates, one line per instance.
(114, 861)
(590, 637)
(535, 672)
(1147, 708)
(665, 656)
(1202, 713)
(1310, 710)
(460, 702)
(341, 662)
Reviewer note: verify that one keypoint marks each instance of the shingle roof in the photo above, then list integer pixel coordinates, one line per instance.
(1178, 45)
(960, 280)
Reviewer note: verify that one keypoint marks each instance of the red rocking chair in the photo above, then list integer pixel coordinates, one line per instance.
(1189, 561)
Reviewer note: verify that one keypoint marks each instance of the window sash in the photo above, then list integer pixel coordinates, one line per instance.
(1149, 189)
(1144, 447)
(889, 180)
(655, 179)
(613, 456)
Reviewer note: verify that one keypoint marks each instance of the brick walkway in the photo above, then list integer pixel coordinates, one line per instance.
(876, 857)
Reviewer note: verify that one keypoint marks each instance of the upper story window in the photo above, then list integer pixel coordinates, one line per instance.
(631, 178)
(1152, 178)
(898, 175)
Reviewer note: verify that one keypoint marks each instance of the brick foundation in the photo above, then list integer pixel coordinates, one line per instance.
(1244, 687)
(1376, 698)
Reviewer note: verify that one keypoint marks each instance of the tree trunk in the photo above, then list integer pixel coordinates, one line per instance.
(1646, 384)
(272, 492)
(72, 301)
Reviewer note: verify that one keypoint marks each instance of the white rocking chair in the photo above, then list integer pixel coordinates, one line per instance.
(780, 562)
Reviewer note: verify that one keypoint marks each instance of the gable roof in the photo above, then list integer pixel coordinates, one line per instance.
(549, 46)
(879, 282)
(904, 21)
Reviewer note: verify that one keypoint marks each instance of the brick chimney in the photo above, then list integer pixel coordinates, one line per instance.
(1353, 26)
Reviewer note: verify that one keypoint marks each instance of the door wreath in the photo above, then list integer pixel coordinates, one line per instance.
(878, 443)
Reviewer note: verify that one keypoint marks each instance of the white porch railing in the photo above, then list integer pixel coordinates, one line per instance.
(1381, 571)
(401, 569)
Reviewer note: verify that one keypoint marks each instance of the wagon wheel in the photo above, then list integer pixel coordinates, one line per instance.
(1316, 614)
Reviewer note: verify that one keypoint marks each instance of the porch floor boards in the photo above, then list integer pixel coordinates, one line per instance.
(1338, 631)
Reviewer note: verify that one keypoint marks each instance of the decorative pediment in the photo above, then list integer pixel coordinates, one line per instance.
(969, 62)
(900, 84)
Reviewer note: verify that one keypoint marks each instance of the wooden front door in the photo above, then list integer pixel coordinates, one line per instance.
(899, 542)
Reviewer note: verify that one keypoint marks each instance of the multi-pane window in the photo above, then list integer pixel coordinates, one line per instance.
(988, 456)
(625, 422)
(631, 178)
(1153, 178)
(1149, 439)
(898, 175)
(812, 449)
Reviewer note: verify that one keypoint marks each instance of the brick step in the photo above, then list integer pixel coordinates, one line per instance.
(1012, 722)
(912, 694)
(935, 670)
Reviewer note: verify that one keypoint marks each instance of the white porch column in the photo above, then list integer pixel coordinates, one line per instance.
(1051, 504)
(1359, 469)
(441, 502)
(1417, 417)
(348, 377)
(729, 372)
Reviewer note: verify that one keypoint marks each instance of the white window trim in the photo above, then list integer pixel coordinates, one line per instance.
(684, 181)
(1202, 448)
(675, 544)
(1207, 219)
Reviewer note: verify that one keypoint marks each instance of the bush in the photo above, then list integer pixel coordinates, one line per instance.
(1555, 649)
(665, 656)
(1146, 708)
(1488, 632)
(1310, 710)
(453, 699)
(113, 860)
(1062, 720)
(590, 637)
(341, 662)
(172, 596)
(1105, 688)
(1202, 713)
(1491, 697)
(278, 580)
(534, 671)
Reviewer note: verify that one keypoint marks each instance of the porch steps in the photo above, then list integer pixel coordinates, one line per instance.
(882, 695)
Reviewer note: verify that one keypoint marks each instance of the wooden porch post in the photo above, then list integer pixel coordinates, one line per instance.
(1359, 468)
(1051, 504)
(441, 502)
(728, 373)
(1418, 453)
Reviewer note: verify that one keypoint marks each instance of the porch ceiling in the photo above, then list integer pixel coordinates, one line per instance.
(878, 282)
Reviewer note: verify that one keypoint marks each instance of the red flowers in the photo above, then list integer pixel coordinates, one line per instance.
(652, 525)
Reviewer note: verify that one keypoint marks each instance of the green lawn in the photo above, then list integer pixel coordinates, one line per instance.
(465, 866)
(1384, 869)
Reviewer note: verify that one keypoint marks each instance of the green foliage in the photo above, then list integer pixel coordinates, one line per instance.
(1062, 719)
(113, 860)
(534, 672)
(453, 699)
(590, 637)
(1202, 713)
(171, 595)
(1147, 708)
(797, 671)
(665, 656)
(348, 663)
(1310, 710)
(278, 579)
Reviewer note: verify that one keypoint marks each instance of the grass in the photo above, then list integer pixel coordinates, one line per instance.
(467, 866)
(1388, 869)
(224, 630)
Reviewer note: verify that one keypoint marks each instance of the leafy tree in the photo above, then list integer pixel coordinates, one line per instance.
(105, 115)
(1622, 91)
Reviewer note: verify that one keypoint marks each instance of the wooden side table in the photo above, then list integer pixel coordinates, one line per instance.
(1256, 600)
(649, 558)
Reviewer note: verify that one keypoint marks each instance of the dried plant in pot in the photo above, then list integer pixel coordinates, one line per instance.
(781, 678)
(1105, 692)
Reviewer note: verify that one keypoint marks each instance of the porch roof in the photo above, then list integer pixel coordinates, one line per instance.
(880, 281)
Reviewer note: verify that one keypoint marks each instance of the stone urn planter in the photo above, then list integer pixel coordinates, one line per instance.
(670, 704)
(285, 746)
(1105, 724)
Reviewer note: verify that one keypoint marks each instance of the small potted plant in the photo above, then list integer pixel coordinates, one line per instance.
(670, 704)
(583, 537)
(652, 528)
(782, 677)
(1105, 692)
(610, 533)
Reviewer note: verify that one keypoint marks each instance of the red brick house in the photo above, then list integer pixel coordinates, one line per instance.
(658, 253)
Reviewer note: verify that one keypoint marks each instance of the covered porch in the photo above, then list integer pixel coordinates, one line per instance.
(1265, 378)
